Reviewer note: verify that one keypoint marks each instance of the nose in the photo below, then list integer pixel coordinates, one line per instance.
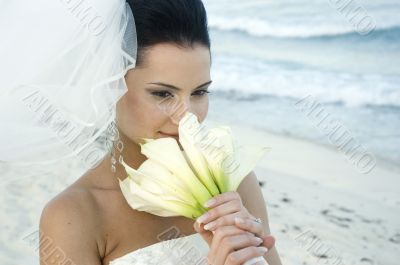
(180, 109)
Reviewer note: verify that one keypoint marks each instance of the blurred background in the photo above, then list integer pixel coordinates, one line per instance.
(276, 65)
(271, 59)
(270, 54)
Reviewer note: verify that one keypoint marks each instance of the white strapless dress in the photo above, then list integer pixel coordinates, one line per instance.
(185, 250)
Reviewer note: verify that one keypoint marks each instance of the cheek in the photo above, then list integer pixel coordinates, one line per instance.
(141, 117)
(201, 109)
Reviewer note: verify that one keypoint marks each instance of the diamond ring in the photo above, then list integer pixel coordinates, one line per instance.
(258, 220)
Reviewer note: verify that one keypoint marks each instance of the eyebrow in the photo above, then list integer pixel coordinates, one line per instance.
(177, 88)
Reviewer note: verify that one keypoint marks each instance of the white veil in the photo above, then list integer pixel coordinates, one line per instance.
(62, 66)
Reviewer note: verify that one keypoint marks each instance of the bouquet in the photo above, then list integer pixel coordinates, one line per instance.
(178, 177)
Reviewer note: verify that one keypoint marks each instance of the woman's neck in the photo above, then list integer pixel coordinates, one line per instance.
(130, 152)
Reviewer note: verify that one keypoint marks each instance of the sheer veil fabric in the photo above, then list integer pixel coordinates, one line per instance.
(62, 72)
(62, 67)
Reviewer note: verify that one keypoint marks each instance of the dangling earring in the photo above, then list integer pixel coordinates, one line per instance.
(120, 147)
(117, 144)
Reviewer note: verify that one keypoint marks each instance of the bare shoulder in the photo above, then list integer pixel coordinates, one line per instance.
(69, 229)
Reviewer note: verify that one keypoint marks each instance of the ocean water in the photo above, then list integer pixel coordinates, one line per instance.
(268, 55)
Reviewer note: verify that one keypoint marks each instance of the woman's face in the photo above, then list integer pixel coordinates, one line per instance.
(170, 81)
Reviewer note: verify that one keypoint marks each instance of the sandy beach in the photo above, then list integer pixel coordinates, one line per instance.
(321, 209)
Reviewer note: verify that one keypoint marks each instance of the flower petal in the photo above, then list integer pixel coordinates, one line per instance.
(142, 200)
(241, 164)
(189, 132)
(166, 152)
(216, 149)
(169, 184)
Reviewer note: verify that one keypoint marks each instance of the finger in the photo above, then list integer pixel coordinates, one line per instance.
(220, 234)
(230, 244)
(250, 225)
(268, 241)
(223, 221)
(222, 198)
(245, 254)
(226, 231)
(205, 234)
(221, 210)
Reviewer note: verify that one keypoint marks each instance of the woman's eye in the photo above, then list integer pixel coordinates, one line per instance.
(162, 94)
(201, 92)
(167, 94)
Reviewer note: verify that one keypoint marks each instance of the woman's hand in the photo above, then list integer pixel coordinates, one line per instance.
(230, 245)
(227, 209)
(230, 231)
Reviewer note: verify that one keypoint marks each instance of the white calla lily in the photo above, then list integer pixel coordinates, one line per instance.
(189, 135)
(166, 152)
(243, 161)
(216, 148)
(155, 194)
(168, 182)
(142, 200)
(174, 182)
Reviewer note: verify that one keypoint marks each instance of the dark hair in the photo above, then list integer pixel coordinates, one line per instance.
(180, 22)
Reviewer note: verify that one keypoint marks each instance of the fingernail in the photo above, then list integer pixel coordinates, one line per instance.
(239, 220)
(202, 218)
(209, 203)
(263, 249)
(209, 226)
(259, 240)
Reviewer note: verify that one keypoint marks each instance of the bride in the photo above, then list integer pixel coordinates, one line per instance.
(90, 222)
